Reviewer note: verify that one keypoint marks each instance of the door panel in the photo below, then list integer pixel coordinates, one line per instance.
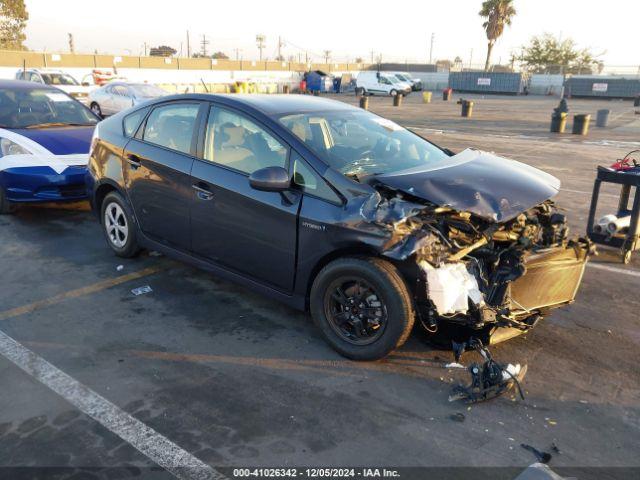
(160, 191)
(251, 232)
(157, 174)
(246, 230)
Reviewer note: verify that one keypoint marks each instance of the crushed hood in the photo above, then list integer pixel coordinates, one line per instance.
(492, 187)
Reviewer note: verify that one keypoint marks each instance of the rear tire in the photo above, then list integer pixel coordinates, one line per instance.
(362, 306)
(119, 225)
(6, 207)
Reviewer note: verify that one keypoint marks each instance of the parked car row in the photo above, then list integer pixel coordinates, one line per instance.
(59, 79)
(326, 207)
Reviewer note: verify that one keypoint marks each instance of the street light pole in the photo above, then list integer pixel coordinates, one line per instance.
(433, 36)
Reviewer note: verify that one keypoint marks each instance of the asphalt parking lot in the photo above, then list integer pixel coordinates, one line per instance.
(226, 378)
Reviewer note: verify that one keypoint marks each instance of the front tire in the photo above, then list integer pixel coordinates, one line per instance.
(393, 93)
(119, 226)
(362, 306)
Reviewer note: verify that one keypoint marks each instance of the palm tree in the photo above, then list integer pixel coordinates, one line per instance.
(497, 13)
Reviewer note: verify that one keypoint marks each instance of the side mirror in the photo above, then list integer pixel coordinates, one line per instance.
(270, 179)
(86, 84)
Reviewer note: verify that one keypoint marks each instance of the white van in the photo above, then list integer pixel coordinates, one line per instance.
(380, 83)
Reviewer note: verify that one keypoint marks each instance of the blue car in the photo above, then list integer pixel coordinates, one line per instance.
(45, 137)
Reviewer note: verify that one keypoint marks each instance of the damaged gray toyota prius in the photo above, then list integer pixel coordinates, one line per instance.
(338, 211)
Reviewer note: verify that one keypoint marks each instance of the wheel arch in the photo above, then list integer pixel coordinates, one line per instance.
(358, 250)
(102, 191)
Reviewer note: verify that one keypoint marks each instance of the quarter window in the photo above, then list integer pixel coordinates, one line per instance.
(310, 182)
(234, 141)
(171, 126)
(132, 122)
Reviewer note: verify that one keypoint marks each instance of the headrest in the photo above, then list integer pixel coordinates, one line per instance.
(235, 136)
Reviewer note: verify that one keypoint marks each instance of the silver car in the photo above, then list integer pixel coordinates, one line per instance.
(117, 96)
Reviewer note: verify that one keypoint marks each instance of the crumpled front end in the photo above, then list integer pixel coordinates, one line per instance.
(489, 278)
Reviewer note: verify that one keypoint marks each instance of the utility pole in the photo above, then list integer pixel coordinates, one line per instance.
(204, 43)
(145, 49)
(237, 50)
(471, 58)
(260, 42)
(188, 45)
(280, 45)
(433, 36)
(72, 47)
(372, 54)
(327, 56)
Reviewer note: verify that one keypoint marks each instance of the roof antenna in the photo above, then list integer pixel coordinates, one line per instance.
(204, 85)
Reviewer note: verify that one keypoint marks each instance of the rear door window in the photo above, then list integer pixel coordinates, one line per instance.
(172, 126)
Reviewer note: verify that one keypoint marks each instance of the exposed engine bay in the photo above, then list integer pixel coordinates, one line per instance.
(495, 279)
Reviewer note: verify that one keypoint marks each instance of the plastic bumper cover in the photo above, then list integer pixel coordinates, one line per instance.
(43, 184)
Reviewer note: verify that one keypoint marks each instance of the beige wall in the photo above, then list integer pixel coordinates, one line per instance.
(66, 60)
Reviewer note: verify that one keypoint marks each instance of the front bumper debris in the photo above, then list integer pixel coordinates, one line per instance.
(489, 379)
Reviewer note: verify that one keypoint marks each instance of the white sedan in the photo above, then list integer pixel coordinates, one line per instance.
(117, 96)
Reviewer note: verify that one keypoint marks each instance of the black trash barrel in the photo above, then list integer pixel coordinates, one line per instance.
(397, 100)
(558, 122)
(581, 124)
(467, 108)
(602, 118)
(446, 94)
(636, 101)
(285, 89)
(364, 103)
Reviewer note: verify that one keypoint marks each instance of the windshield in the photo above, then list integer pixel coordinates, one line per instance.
(41, 107)
(58, 79)
(393, 79)
(147, 91)
(402, 78)
(359, 143)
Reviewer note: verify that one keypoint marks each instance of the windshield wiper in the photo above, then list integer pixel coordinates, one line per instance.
(59, 124)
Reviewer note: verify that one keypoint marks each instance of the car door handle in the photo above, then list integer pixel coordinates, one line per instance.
(202, 192)
(133, 160)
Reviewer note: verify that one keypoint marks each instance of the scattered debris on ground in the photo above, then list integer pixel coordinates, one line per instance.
(141, 290)
(489, 380)
(454, 365)
(457, 417)
(543, 457)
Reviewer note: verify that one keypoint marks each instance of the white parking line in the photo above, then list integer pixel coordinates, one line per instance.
(620, 271)
(142, 437)
(582, 192)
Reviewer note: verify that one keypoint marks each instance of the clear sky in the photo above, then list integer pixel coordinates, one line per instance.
(398, 31)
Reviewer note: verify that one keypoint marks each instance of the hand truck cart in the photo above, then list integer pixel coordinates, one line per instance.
(629, 241)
